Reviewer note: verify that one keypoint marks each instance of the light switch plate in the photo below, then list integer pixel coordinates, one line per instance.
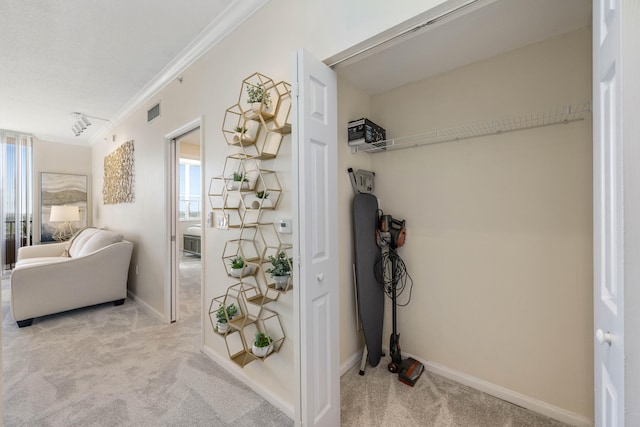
(284, 226)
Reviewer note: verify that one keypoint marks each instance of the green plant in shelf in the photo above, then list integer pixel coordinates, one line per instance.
(240, 129)
(257, 93)
(262, 340)
(262, 194)
(232, 310)
(238, 176)
(237, 262)
(281, 265)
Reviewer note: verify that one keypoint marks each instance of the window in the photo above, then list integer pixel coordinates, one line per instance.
(189, 203)
(16, 195)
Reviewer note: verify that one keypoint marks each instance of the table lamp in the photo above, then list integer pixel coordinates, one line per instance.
(64, 215)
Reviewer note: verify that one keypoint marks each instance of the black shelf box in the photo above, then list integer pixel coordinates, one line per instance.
(364, 131)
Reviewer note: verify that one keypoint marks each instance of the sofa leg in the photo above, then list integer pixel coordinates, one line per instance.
(119, 302)
(23, 323)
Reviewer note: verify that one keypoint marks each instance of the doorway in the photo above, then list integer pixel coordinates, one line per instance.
(452, 175)
(185, 222)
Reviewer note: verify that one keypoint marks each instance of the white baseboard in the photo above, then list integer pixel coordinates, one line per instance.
(351, 362)
(237, 372)
(530, 403)
(146, 307)
(511, 396)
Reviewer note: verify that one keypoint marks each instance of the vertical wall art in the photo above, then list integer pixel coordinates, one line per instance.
(118, 175)
(61, 189)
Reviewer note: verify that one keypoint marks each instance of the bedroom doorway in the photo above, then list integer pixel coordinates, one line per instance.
(185, 218)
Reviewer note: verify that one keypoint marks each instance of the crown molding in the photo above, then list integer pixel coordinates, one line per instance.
(231, 17)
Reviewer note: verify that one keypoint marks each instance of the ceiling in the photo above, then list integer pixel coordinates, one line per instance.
(102, 58)
(93, 56)
(485, 29)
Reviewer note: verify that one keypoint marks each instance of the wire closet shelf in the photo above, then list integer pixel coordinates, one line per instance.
(561, 115)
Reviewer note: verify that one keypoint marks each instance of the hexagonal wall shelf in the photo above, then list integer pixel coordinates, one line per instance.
(253, 128)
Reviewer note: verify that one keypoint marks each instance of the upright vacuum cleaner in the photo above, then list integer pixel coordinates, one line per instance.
(392, 274)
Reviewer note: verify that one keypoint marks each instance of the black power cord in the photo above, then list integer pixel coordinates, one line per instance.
(385, 275)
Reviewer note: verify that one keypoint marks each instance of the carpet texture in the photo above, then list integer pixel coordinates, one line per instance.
(379, 399)
(117, 366)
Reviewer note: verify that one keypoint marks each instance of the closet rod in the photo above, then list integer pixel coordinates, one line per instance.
(562, 115)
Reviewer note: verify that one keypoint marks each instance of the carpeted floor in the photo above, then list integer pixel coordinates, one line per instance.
(378, 399)
(117, 366)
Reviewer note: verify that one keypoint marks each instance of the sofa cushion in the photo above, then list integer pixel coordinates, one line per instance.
(99, 240)
(90, 240)
(78, 240)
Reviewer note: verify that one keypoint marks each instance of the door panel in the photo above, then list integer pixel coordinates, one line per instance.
(608, 217)
(315, 195)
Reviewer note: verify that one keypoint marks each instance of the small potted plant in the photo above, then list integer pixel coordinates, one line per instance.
(238, 267)
(261, 200)
(224, 318)
(280, 269)
(257, 97)
(239, 180)
(262, 345)
(240, 133)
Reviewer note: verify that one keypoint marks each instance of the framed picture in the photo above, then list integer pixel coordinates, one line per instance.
(61, 189)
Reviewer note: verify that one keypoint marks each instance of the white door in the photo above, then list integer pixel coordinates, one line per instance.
(608, 217)
(315, 161)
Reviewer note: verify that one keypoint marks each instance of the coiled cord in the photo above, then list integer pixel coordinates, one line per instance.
(390, 277)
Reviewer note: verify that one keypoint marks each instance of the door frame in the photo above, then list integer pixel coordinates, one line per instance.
(171, 294)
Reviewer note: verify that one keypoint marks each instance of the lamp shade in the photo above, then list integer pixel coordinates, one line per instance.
(64, 214)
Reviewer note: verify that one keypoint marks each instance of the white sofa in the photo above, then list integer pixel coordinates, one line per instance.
(92, 268)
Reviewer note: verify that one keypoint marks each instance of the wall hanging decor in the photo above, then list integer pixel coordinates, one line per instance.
(258, 262)
(68, 191)
(118, 175)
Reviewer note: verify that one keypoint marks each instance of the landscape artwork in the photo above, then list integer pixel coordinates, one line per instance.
(61, 189)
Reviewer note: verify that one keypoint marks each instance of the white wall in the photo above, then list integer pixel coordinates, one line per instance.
(59, 158)
(499, 238)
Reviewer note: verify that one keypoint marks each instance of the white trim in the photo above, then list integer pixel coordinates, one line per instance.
(351, 362)
(227, 21)
(147, 308)
(232, 368)
(169, 193)
(535, 405)
(441, 14)
(530, 403)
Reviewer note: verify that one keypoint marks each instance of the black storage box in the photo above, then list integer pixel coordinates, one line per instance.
(365, 131)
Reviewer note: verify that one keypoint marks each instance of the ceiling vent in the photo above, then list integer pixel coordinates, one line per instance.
(153, 112)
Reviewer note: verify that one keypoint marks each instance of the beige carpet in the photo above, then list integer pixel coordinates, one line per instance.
(117, 366)
(378, 399)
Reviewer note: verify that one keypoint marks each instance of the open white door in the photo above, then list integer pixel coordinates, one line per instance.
(315, 190)
(608, 237)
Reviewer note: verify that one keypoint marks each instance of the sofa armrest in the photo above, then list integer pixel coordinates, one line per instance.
(52, 249)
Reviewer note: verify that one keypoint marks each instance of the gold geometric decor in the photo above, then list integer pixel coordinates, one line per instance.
(118, 175)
